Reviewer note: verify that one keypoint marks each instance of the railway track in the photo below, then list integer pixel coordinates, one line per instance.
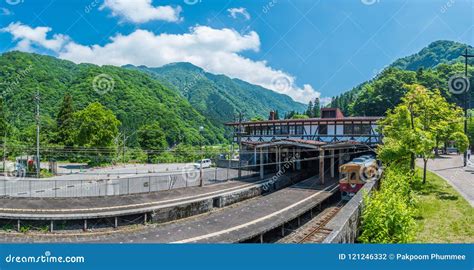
(314, 231)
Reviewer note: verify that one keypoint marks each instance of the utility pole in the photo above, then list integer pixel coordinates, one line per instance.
(38, 162)
(467, 98)
(201, 181)
(123, 147)
(239, 141)
(4, 151)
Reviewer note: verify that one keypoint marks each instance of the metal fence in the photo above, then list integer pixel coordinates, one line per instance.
(116, 186)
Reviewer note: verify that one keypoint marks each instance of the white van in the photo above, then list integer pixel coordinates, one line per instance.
(206, 163)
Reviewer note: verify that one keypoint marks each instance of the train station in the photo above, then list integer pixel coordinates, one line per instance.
(316, 144)
(294, 163)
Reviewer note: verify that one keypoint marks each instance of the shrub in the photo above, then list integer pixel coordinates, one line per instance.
(388, 215)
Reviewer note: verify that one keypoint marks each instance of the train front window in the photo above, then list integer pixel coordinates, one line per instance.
(353, 176)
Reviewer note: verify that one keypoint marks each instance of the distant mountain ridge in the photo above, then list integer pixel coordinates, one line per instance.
(219, 97)
(432, 66)
(134, 97)
(438, 52)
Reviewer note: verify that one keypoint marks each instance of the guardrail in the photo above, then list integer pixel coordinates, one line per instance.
(114, 186)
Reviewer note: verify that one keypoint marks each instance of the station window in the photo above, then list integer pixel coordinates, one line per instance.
(277, 130)
(323, 129)
(269, 130)
(357, 129)
(348, 129)
(299, 130)
(292, 130)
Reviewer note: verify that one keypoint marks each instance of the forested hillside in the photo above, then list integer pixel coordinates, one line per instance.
(135, 98)
(431, 67)
(438, 52)
(219, 97)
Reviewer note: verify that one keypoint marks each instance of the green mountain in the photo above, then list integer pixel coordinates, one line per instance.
(135, 98)
(438, 52)
(432, 67)
(219, 97)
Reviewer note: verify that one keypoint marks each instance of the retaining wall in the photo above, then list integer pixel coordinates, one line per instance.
(345, 226)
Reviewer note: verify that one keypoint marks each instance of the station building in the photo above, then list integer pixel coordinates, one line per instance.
(315, 145)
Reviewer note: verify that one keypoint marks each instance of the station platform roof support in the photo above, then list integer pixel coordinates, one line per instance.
(318, 150)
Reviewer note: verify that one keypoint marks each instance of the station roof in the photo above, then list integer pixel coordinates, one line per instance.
(304, 143)
(308, 120)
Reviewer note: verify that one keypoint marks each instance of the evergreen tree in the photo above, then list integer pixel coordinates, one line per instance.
(277, 116)
(65, 121)
(317, 108)
(309, 111)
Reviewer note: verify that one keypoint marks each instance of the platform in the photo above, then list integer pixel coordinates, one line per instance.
(110, 206)
(235, 223)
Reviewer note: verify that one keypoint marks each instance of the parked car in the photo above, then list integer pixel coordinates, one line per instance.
(206, 163)
(452, 150)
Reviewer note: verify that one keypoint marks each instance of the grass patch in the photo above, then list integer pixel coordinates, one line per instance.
(443, 215)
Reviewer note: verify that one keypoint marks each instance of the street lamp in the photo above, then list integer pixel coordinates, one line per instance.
(201, 130)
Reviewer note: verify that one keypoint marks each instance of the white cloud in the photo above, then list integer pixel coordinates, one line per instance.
(216, 50)
(142, 11)
(5, 12)
(29, 37)
(233, 12)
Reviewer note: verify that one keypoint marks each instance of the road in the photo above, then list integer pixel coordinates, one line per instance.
(450, 167)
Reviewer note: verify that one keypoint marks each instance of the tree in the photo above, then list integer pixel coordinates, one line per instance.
(317, 108)
(65, 122)
(96, 126)
(299, 116)
(309, 111)
(152, 138)
(256, 118)
(417, 124)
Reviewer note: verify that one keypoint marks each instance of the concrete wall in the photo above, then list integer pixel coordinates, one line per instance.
(206, 205)
(345, 226)
(181, 211)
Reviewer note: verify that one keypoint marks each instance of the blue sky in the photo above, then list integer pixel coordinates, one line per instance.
(303, 48)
